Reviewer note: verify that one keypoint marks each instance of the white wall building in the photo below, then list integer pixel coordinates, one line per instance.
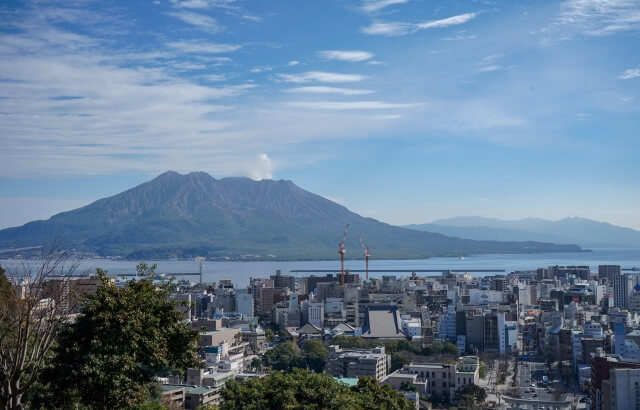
(244, 304)
(625, 389)
(316, 314)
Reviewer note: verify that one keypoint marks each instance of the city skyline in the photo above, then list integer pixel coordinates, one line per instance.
(404, 111)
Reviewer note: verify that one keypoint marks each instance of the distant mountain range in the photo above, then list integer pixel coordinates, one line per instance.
(581, 231)
(186, 216)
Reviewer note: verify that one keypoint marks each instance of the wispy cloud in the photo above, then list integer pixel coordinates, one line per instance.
(450, 21)
(630, 73)
(201, 4)
(260, 69)
(329, 90)
(402, 28)
(292, 63)
(388, 29)
(345, 55)
(371, 6)
(203, 47)
(491, 63)
(459, 37)
(321, 77)
(489, 68)
(198, 20)
(348, 105)
(601, 17)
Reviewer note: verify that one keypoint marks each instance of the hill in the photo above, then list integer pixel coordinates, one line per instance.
(191, 215)
(582, 231)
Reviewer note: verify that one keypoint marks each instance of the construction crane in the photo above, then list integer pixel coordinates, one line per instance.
(366, 256)
(341, 252)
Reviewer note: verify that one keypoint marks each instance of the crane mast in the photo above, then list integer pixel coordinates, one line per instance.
(366, 256)
(341, 251)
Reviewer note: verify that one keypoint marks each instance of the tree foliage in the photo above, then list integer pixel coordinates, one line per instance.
(286, 356)
(301, 389)
(35, 301)
(468, 395)
(482, 370)
(315, 355)
(122, 340)
(269, 335)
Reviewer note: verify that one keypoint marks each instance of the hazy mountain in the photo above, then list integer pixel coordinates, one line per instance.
(191, 215)
(585, 232)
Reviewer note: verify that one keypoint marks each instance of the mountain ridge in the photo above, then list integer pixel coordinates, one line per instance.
(582, 231)
(188, 215)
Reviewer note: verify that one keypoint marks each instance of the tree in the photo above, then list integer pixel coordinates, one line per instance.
(315, 355)
(35, 301)
(407, 386)
(450, 348)
(269, 335)
(256, 362)
(285, 356)
(398, 361)
(303, 389)
(122, 340)
(373, 395)
(297, 389)
(482, 370)
(468, 395)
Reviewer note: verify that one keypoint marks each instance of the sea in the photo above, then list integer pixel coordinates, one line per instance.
(241, 272)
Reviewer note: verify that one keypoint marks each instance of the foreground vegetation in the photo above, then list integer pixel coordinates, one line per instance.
(301, 389)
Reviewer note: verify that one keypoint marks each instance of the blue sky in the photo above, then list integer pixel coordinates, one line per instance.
(403, 110)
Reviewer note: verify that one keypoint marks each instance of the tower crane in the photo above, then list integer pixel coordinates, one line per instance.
(341, 251)
(366, 256)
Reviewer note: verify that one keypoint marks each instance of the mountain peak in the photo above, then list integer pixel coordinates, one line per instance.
(194, 214)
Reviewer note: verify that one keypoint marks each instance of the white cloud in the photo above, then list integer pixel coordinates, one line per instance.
(260, 69)
(450, 21)
(320, 76)
(630, 73)
(459, 37)
(201, 4)
(489, 68)
(348, 105)
(292, 63)
(199, 21)
(371, 6)
(345, 55)
(387, 29)
(601, 17)
(329, 90)
(262, 168)
(402, 28)
(202, 47)
(215, 77)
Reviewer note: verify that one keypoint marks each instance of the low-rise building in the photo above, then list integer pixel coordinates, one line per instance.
(358, 362)
(443, 379)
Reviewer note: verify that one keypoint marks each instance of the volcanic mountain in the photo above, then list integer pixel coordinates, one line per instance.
(185, 216)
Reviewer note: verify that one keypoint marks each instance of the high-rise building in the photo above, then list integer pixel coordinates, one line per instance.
(625, 389)
(608, 272)
(623, 289)
(316, 314)
(283, 281)
(244, 304)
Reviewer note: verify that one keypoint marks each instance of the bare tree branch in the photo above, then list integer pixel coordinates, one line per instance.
(36, 298)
